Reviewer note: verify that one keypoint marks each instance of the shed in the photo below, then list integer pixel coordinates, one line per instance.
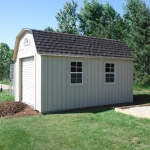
(58, 71)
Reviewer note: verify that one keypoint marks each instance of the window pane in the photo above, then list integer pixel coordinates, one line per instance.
(73, 80)
(73, 64)
(112, 70)
(112, 65)
(107, 65)
(79, 69)
(107, 80)
(111, 79)
(79, 80)
(79, 76)
(107, 69)
(79, 64)
(73, 75)
(112, 75)
(73, 69)
(107, 75)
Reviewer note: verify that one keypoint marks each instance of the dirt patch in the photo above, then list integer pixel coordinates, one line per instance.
(16, 109)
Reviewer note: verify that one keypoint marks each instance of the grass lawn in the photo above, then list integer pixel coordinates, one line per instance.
(93, 129)
(4, 96)
(88, 129)
(7, 82)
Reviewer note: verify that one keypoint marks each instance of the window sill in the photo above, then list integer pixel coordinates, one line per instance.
(110, 84)
(76, 85)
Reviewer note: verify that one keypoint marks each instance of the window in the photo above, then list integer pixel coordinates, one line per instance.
(76, 72)
(26, 41)
(109, 72)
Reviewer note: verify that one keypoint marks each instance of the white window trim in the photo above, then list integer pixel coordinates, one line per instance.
(110, 83)
(69, 73)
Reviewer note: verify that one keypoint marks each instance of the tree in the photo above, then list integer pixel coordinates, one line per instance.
(67, 18)
(49, 29)
(96, 19)
(113, 23)
(5, 61)
(90, 18)
(137, 20)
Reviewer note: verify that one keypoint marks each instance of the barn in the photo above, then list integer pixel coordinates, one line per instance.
(58, 71)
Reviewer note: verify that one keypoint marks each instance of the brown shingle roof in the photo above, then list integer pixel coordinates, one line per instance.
(69, 44)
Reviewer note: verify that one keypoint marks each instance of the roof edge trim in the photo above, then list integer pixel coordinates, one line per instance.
(17, 42)
(87, 56)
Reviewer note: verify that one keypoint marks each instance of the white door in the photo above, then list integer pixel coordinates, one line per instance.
(28, 81)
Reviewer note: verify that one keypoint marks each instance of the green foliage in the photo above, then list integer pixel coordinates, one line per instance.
(67, 18)
(137, 20)
(113, 23)
(96, 19)
(91, 18)
(5, 96)
(5, 61)
(49, 29)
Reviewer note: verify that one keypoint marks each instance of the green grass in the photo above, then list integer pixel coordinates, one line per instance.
(5, 96)
(139, 87)
(88, 129)
(7, 82)
(92, 129)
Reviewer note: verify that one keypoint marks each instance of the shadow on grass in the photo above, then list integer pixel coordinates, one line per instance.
(141, 98)
(137, 100)
(95, 109)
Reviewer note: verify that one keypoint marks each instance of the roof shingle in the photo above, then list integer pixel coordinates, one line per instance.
(69, 44)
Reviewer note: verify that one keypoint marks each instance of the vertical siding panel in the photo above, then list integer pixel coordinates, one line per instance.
(64, 83)
(77, 97)
(122, 81)
(130, 81)
(81, 98)
(119, 81)
(93, 82)
(39, 82)
(126, 81)
(44, 84)
(101, 82)
(59, 77)
(55, 83)
(68, 97)
(72, 97)
(96, 82)
(50, 83)
(89, 72)
(68, 85)
(85, 103)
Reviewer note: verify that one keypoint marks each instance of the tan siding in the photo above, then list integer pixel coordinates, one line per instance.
(50, 84)
(59, 84)
(64, 83)
(85, 88)
(55, 82)
(38, 82)
(61, 95)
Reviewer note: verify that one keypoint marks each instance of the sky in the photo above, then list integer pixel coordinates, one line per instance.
(36, 14)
